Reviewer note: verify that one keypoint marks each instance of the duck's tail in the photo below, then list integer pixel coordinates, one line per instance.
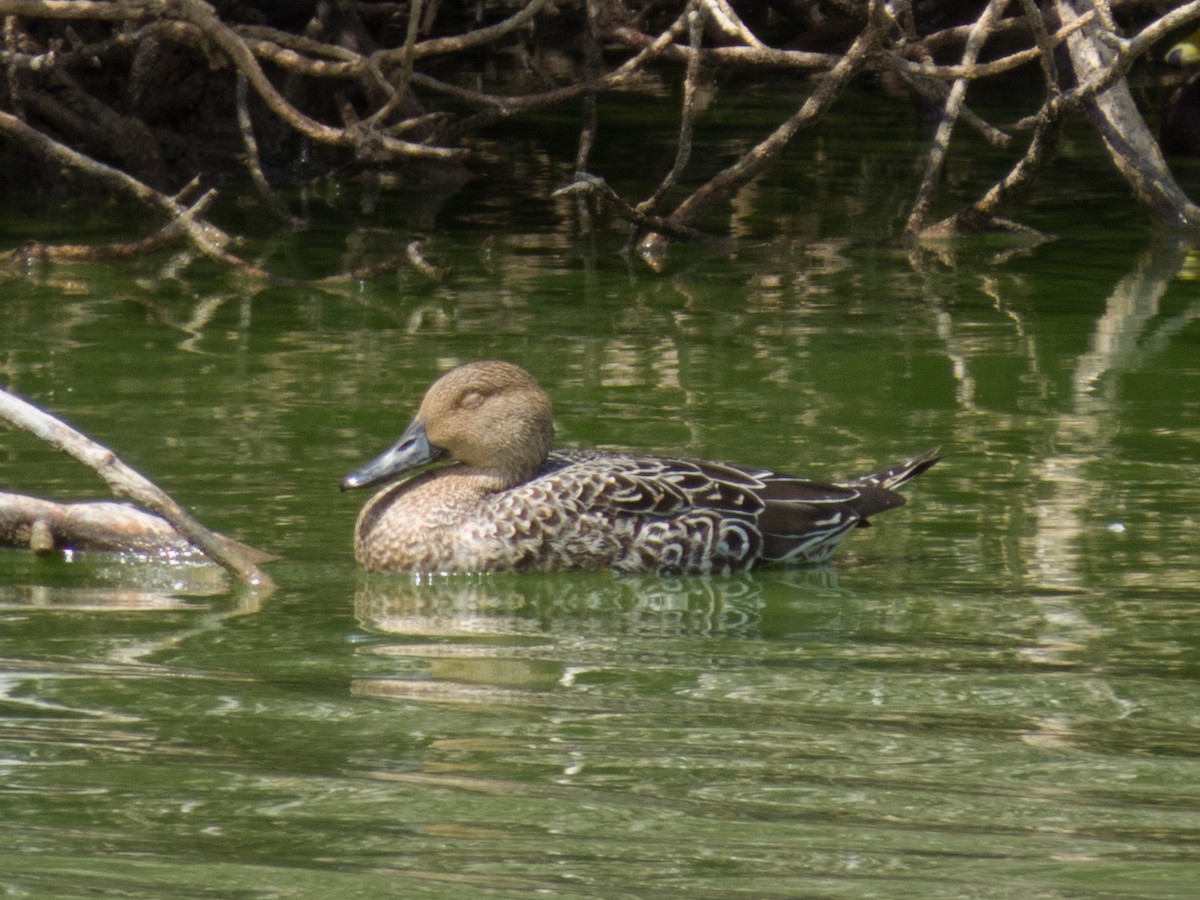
(877, 489)
(906, 471)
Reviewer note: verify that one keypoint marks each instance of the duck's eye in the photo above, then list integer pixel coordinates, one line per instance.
(471, 400)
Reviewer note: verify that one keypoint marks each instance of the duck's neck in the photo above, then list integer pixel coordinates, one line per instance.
(509, 465)
(498, 478)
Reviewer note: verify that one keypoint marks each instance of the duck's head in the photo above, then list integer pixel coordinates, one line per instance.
(491, 416)
(1186, 52)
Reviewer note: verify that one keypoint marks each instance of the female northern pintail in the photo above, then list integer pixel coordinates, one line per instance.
(512, 503)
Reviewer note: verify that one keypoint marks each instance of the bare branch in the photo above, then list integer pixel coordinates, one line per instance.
(200, 15)
(1115, 115)
(19, 259)
(684, 149)
(592, 184)
(726, 182)
(385, 120)
(246, 127)
(127, 482)
(473, 39)
(207, 237)
(941, 139)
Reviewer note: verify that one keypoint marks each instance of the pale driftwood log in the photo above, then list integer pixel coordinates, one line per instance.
(236, 558)
(44, 526)
(1115, 116)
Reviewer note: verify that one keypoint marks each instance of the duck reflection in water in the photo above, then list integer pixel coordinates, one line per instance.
(510, 502)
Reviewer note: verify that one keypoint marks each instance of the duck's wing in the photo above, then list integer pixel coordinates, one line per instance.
(779, 517)
(633, 484)
(805, 520)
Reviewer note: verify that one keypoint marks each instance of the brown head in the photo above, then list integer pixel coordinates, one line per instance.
(491, 416)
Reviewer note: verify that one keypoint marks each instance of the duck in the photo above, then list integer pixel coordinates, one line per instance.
(505, 500)
(1179, 130)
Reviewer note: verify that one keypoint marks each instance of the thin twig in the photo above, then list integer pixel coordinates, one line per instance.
(496, 107)
(729, 180)
(415, 255)
(586, 183)
(169, 233)
(590, 117)
(738, 56)
(1045, 45)
(472, 39)
(683, 151)
(246, 126)
(399, 90)
(727, 19)
(1041, 149)
(209, 239)
(591, 68)
(10, 66)
(940, 144)
(935, 93)
(982, 213)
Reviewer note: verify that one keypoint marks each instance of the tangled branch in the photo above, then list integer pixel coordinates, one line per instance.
(118, 90)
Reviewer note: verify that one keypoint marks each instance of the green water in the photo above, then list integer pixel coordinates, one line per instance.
(993, 693)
